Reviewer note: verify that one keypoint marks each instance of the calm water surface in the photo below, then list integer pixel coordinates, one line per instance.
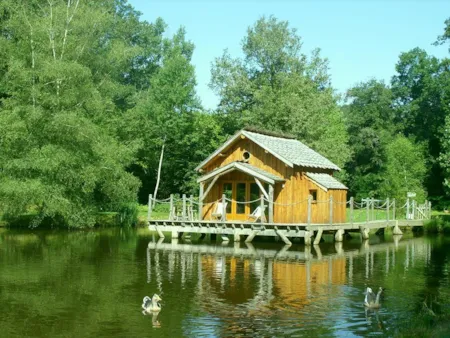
(91, 284)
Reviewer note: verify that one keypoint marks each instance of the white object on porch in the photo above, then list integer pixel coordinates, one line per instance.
(220, 211)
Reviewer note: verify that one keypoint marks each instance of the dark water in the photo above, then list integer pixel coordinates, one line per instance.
(91, 284)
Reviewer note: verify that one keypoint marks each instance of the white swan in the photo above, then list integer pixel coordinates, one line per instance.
(371, 301)
(151, 304)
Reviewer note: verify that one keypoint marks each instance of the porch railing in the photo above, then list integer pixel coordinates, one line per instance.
(189, 208)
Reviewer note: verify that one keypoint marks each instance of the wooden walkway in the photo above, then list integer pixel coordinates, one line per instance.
(311, 233)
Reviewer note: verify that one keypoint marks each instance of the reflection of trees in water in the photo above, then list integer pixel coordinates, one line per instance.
(436, 280)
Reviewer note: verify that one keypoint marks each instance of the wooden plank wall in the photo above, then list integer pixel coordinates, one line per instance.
(295, 189)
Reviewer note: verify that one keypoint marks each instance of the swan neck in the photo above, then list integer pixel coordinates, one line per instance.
(377, 300)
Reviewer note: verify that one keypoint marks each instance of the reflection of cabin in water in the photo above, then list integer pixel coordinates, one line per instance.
(282, 169)
(290, 281)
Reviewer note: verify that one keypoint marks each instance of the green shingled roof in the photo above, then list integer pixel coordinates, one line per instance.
(290, 151)
(326, 181)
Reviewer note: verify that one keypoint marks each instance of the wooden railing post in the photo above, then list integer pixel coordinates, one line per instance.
(331, 210)
(407, 208)
(373, 209)
(171, 211)
(271, 197)
(351, 209)
(224, 209)
(393, 209)
(150, 204)
(263, 212)
(387, 209)
(367, 209)
(309, 216)
(191, 208)
(183, 212)
(200, 201)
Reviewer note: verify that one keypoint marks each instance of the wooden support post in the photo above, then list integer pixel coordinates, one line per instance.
(331, 210)
(396, 230)
(150, 204)
(200, 201)
(339, 236)
(352, 202)
(308, 235)
(174, 234)
(407, 209)
(237, 236)
(263, 211)
(318, 236)
(160, 233)
(309, 216)
(271, 197)
(250, 237)
(172, 210)
(284, 238)
(387, 209)
(183, 212)
(364, 232)
(224, 210)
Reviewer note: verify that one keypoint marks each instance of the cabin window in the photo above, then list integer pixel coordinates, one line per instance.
(228, 192)
(246, 156)
(313, 193)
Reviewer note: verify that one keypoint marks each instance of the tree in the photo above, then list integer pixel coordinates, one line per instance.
(66, 81)
(421, 100)
(165, 111)
(405, 170)
(444, 38)
(369, 118)
(277, 87)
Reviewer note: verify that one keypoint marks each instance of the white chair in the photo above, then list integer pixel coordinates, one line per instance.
(257, 214)
(220, 211)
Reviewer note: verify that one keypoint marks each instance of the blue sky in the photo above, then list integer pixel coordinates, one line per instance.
(361, 38)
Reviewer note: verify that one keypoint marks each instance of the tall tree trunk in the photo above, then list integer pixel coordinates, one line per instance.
(159, 171)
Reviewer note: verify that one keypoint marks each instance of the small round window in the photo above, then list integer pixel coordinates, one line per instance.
(246, 156)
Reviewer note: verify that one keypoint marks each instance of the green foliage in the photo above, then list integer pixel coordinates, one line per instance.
(369, 120)
(275, 87)
(405, 170)
(422, 97)
(444, 159)
(438, 224)
(128, 214)
(64, 89)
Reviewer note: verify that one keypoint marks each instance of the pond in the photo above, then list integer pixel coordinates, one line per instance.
(91, 284)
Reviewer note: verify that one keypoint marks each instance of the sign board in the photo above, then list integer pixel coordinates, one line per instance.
(410, 194)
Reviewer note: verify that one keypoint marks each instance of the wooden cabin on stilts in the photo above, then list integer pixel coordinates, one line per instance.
(283, 170)
(264, 184)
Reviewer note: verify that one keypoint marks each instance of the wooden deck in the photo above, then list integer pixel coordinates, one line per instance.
(311, 233)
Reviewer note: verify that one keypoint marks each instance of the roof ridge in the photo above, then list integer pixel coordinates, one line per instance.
(269, 133)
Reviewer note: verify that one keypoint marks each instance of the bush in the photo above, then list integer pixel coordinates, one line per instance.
(437, 225)
(127, 215)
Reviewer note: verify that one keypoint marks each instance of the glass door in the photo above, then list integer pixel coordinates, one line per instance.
(240, 194)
